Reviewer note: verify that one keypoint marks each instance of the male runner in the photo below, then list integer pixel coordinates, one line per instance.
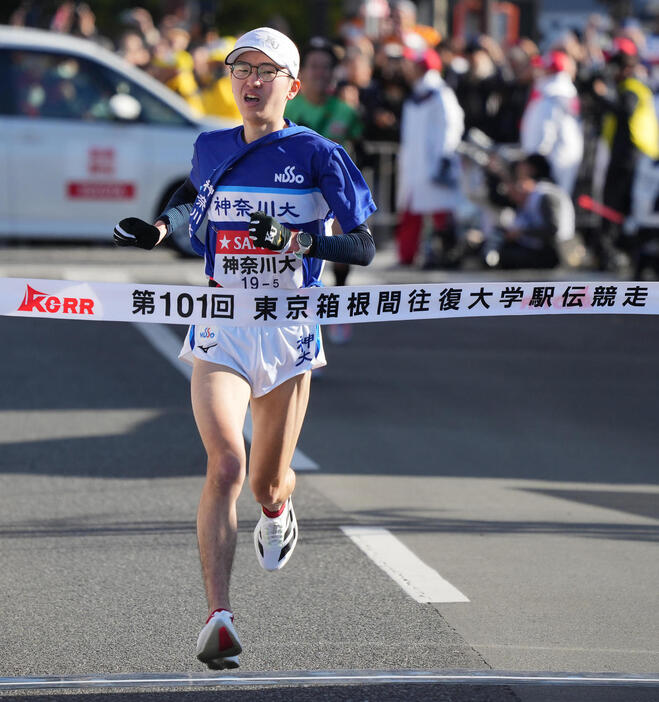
(271, 191)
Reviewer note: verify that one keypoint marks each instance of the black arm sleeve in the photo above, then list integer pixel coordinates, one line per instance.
(355, 247)
(178, 208)
(186, 193)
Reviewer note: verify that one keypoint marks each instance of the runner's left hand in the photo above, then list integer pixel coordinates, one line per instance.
(267, 233)
(136, 232)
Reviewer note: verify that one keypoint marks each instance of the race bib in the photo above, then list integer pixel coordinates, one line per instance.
(240, 264)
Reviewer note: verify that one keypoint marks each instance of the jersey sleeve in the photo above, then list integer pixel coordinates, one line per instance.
(195, 172)
(345, 190)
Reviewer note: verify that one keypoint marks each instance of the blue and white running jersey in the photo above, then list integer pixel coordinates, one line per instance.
(304, 181)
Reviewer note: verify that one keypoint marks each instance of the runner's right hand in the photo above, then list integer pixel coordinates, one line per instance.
(135, 232)
(267, 233)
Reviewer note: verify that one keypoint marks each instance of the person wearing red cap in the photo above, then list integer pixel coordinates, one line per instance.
(431, 128)
(624, 45)
(550, 124)
(630, 132)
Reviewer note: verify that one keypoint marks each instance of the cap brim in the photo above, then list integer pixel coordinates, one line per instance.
(233, 55)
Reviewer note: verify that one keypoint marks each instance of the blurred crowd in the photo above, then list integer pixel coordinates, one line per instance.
(507, 154)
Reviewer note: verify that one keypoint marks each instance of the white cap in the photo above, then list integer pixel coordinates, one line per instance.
(273, 44)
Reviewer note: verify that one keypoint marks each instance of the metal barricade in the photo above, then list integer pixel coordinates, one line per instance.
(379, 170)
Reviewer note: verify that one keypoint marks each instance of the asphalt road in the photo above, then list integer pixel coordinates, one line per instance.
(516, 457)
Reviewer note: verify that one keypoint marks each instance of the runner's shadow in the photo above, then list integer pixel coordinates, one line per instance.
(410, 520)
(163, 447)
(92, 400)
(551, 398)
(316, 531)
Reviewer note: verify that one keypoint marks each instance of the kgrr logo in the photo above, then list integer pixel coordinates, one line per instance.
(35, 301)
(288, 176)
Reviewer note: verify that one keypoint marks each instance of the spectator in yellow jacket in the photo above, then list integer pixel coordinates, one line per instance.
(216, 96)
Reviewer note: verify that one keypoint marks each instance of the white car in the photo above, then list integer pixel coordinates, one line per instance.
(85, 139)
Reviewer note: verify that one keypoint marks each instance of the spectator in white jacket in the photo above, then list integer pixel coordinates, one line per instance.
(550, 124)
(431, 128)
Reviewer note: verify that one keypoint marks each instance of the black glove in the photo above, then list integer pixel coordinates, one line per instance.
(267, 233)
(135, 232)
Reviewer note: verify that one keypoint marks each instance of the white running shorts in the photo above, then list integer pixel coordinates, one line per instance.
(265, 356)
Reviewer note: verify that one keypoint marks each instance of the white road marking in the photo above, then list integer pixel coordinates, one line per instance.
(418, 580)
(322, 677)
(168, 344)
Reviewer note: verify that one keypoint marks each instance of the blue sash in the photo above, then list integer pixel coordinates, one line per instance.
(205, 194)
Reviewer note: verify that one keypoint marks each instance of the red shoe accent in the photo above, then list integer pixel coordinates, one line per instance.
(226, 641)
(272, 515)
(222, 609)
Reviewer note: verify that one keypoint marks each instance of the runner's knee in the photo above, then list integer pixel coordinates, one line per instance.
(225, 470)
(269, 490)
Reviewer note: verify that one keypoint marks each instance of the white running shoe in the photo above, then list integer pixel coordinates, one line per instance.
(275, 538)
(218, 645)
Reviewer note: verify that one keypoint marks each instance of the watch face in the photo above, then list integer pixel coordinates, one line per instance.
(304, 240)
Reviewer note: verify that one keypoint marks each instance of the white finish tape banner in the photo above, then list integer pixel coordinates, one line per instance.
(172, 304)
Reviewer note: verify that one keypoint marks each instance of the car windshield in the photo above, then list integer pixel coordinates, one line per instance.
(62, 86)
(154, 110)
(56, 85)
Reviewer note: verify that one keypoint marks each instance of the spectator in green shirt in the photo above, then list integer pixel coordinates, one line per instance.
(316, 106)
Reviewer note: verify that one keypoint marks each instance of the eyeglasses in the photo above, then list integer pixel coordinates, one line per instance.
(266, 72)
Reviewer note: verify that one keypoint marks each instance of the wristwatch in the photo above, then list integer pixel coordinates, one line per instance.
(305, 242)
